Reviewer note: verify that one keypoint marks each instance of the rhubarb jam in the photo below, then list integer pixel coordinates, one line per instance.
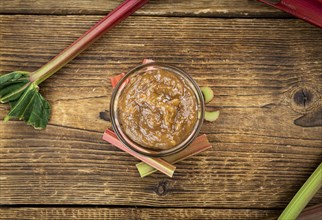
(157, 109)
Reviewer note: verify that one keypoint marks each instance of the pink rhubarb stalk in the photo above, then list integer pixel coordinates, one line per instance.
(156, 163)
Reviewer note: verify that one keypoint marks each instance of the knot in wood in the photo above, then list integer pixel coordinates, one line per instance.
(162, 188)
(304, 99)
(105, 115)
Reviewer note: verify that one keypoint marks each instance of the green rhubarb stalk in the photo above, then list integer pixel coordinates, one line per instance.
(207, 92)
(208, 95)
(20, 89)
(303, 196)
(211, 116)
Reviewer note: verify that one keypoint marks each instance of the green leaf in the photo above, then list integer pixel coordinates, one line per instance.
(25, 101)
(13, 85)
(31, 107)
(16, 76)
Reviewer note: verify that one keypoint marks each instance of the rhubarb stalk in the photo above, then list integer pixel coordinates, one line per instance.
(200, 144)
(304, 195)
(20, 89)
(207, 92)
(156, 163)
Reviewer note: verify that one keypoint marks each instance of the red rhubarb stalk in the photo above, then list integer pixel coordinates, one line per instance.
(107, 23)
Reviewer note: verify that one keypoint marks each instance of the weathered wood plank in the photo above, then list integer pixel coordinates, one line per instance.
(257, 68)
(70, 166)
(201, 8)
(133, 213)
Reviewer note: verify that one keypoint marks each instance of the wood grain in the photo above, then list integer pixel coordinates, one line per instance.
(256, 68)
(133, 213)
(201, 8)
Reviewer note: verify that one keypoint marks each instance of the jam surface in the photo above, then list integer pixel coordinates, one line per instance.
(157, 109)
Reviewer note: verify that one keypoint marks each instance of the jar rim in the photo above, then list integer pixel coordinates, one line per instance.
(136, 146)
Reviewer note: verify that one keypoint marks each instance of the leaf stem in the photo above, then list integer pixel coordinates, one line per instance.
(127, 8)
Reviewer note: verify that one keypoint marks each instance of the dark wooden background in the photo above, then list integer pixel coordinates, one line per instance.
(263, 65)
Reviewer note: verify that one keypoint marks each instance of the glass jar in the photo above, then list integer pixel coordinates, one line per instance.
(116, 122)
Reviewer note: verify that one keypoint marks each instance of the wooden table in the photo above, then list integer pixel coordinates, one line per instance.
(263, 65)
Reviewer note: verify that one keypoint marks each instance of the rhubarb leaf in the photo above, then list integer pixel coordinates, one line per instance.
(30, 107)
(16, 76)
(12, 85)
(25, 101)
